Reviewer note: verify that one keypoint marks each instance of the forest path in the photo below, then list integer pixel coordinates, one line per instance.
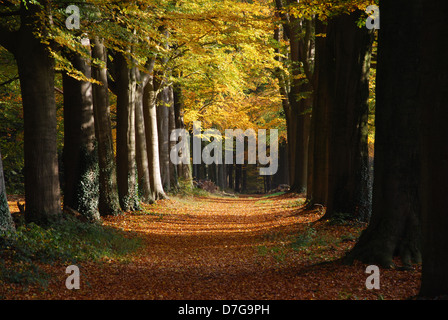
(216, 248)
(209, 247)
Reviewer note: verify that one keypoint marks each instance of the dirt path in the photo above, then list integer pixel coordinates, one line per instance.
(231, 248)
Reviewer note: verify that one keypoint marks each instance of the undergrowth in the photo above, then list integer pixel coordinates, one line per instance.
(312, 241)
(71, 241)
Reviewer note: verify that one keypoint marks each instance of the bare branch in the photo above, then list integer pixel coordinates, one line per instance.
(9, 81)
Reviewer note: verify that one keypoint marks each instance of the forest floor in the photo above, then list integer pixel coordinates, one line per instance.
(224, 248)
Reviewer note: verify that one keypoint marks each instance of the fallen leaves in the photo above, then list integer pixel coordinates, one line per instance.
(229, 248)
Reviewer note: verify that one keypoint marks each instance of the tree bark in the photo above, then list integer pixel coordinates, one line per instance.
(80, 158)
(347, 68)
(317, 191)
(174, 174)
(184, 170)
(434, 135)
(163, 105)
(300, 100)
(126, 85)
(394, 229)
(36, 73)
(108, 191)
(281, 177)
(152, 140)
(141, 152)
(297, 99)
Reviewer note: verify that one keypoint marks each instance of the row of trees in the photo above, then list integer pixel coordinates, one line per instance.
(326, 102)
(407, 210)
(130, 74)
(223, 57)
(408, 214)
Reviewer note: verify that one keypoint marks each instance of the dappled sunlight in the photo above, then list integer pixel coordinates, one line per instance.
(250, 247)
(215, 216)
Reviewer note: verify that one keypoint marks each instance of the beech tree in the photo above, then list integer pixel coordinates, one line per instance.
(141, 148)
(342, 86)
(184, 171)
(394, 228)
(80, 152)
(36, 73)
(434, 152)
(152, 140)
(164, 103)
(297, 89)
(125, 89)
(108, 190)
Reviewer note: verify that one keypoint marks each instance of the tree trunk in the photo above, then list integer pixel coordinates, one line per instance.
(163, 105)
(433, 106)
(108, 191)
(152, 140)
(36, 73)
(300, 102)
(347, 68)
(171, 144)
(320, 131)
(80, 158)
(281, 177)
(297, 100)
(6, 222)
(141, 152)
(184, 170)
(126, 85)
(394, 229)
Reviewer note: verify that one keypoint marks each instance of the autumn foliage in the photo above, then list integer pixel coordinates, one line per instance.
(220, 248)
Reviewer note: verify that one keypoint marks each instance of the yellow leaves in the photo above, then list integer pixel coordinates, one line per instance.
(225, 70)
(307, 9)
(62, 63)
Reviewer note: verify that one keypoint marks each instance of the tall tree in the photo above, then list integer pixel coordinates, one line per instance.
(346, 67)
(317, 190)
(434, 111)
(183, 170)
(394, 228)
(141, 152)
(126, 87)
(80, 156)
(108, 191)
(164, 103)
(152, 140)
(36, 73)
(297, 90)
(174, 174)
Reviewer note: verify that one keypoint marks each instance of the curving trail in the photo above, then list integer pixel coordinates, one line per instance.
(230, 248)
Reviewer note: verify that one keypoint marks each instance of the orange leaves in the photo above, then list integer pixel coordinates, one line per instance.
(221, 248)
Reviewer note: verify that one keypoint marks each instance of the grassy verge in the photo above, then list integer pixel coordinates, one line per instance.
(314, 242)
(71, 241)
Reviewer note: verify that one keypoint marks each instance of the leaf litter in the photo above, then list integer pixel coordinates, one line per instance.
(218, 248)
